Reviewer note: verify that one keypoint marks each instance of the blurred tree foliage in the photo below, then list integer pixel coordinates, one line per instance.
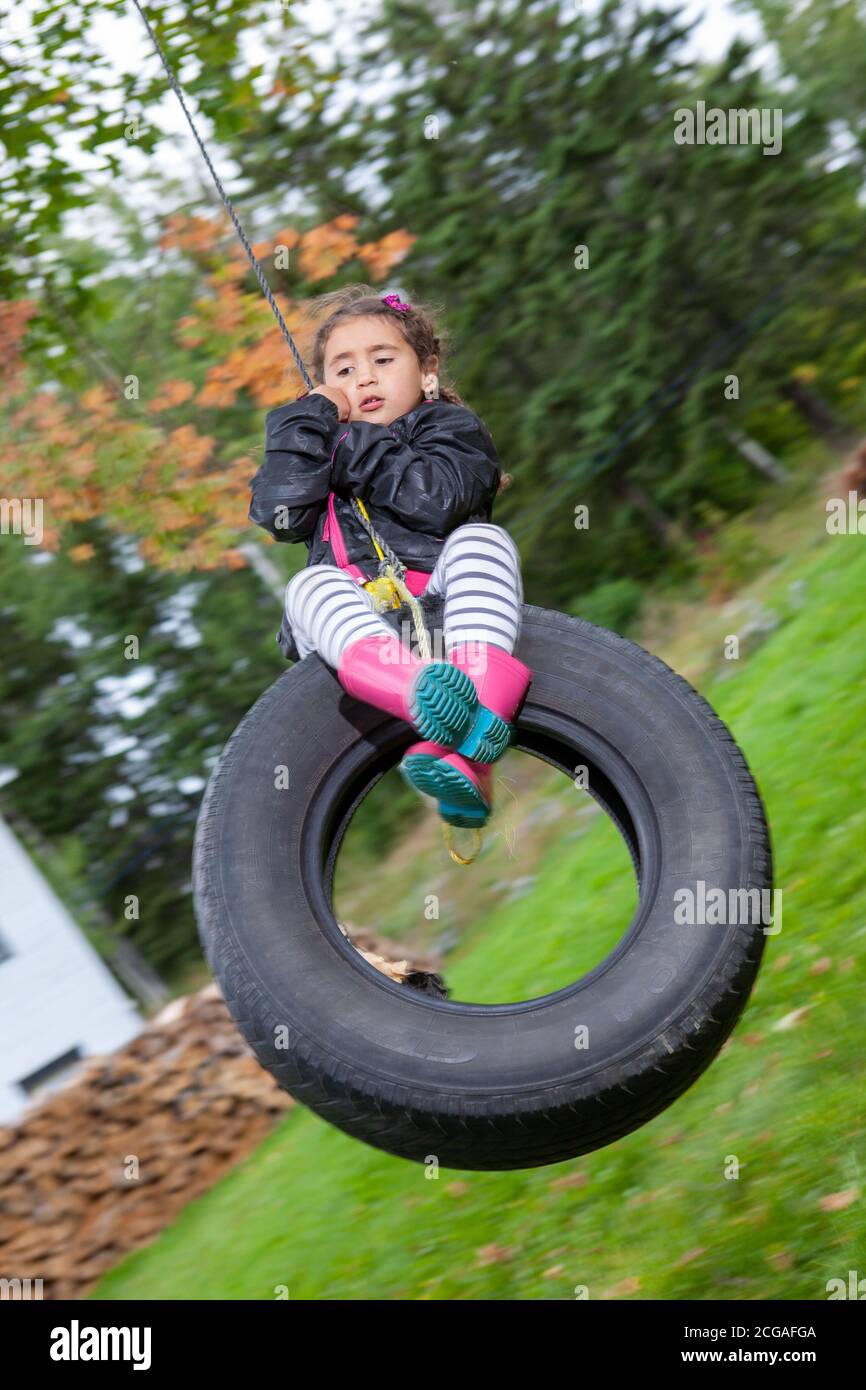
(821, 46)
(75, 95)
(110, 738)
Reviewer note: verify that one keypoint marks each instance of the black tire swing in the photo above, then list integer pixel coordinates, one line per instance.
(484, 1086)
(480, 1086)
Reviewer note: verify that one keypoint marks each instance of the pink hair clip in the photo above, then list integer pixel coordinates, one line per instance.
(396, 302)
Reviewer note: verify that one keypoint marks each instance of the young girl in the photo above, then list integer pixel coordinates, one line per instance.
(379, 427)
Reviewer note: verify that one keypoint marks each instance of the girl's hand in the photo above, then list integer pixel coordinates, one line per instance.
(340, 399)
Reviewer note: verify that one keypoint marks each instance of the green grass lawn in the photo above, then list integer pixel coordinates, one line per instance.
(652, 1216)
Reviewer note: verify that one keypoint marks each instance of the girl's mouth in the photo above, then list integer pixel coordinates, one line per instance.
(372, 404)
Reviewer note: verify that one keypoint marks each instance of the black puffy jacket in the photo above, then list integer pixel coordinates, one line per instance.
(430, 470)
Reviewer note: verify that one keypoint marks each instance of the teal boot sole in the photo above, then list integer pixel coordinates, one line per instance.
(488, 737)
(444, 704)
(460, 802)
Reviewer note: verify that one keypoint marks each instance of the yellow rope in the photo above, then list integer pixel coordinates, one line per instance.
(389, 591)
(458, 858)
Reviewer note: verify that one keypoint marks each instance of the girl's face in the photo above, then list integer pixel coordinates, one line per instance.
(369, 359)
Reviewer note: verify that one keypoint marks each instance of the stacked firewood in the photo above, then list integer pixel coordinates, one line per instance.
(418, 973)
(102, 1165)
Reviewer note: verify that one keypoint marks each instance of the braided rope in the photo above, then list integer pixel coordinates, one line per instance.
(381, 546)
(227, 203)
(393, 569)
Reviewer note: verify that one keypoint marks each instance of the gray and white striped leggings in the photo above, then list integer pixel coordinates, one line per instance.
(477, 572)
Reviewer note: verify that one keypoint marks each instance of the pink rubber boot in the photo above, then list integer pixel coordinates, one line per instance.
(435, 697)
(463, 788)
(501, 682)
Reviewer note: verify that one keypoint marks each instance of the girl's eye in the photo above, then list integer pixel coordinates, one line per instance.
(341, 370)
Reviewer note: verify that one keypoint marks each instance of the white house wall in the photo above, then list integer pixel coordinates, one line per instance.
(55, 991)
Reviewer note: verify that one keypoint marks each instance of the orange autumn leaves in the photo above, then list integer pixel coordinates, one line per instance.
(256, 361)
(149, 467)
(171, 394)
(14, 318)
(91, 460)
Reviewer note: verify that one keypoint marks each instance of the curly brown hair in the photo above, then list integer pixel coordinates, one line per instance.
(416, 324)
